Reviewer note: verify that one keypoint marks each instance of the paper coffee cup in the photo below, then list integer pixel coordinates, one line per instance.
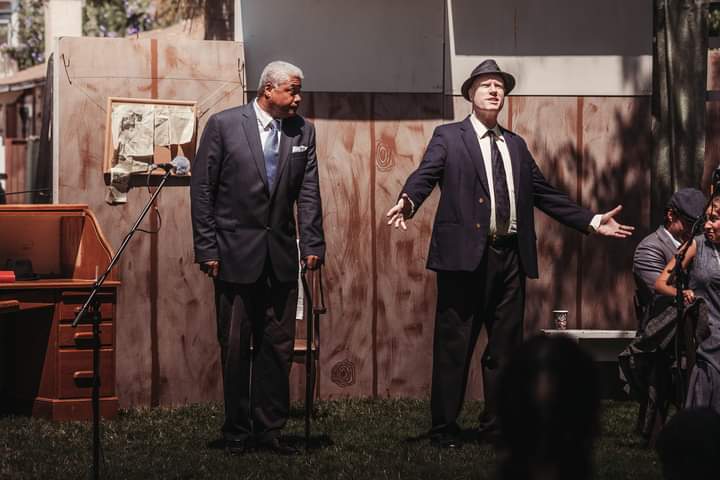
(560, 319)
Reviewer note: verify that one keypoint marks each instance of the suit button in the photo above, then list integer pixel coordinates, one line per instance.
(477, 225)
(481, 200)
(267, 227)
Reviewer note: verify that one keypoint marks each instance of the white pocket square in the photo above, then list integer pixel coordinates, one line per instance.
(299, 148)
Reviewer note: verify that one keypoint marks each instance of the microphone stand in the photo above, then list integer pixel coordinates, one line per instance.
(681, 281)
(91, 307)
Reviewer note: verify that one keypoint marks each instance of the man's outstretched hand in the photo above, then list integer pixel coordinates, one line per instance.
(398, 213)
(609, 227)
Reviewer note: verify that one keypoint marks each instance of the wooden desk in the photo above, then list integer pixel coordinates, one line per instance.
(14, 306)
(48, 363)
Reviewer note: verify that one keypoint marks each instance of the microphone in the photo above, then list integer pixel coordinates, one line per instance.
(179, 164)
(716, 182)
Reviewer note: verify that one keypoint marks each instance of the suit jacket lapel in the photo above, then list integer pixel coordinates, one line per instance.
(473, 146)
(250, 125)
(512, 145)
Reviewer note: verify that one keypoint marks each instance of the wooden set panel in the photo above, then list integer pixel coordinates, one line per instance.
(616, 170)
(188, 356)
(93, 74)
(344, 152)
(406, 291)
(166, 340)
(712, 140)
(549, 126)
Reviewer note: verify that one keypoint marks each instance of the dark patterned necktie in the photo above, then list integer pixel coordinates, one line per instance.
(502, 196)
(270, 152)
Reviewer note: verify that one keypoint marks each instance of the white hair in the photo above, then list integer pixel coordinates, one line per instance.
(278, 72)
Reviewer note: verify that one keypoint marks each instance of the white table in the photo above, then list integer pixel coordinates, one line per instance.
(603, 345)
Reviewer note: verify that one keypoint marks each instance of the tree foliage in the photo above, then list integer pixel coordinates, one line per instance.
(117, 18)
(30, 48)
(714, 20)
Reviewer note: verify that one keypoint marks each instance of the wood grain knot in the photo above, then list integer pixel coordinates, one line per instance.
(343, 373)
(383, 157)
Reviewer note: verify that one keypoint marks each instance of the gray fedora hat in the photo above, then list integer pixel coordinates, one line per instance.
(487, 66)
(688, 202)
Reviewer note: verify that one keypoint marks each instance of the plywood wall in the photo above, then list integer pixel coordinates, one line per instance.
(166, 343)
(377, 334)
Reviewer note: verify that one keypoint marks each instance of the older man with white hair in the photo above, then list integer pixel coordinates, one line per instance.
(255, 164)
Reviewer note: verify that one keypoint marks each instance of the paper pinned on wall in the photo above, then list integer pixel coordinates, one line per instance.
(137, 128)
(120, 180)
(132, 130)
(174, 124)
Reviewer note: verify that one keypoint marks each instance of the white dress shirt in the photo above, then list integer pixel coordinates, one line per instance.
(672, 239)
(484, 140)
(264, 120)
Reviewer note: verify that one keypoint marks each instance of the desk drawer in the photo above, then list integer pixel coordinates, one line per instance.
(69, 311)
(80, 336)
(75, 372)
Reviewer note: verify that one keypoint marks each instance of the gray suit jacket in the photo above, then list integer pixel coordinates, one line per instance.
(651, 256)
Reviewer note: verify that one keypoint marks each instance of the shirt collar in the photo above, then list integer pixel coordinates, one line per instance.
(481, 130)
(672, 239)
(264, 118)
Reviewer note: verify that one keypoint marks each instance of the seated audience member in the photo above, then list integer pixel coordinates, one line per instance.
(646, 363)
(689, 445)
(655, 251)
(548, 411)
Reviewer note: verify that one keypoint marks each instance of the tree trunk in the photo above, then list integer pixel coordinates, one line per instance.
(679, 92)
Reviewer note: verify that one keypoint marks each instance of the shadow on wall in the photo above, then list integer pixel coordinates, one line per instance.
(614, 169)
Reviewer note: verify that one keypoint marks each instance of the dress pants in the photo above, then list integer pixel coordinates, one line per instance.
(256, 382)
(494, 296)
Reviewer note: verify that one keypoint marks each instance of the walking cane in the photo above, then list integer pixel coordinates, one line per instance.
(312, 285)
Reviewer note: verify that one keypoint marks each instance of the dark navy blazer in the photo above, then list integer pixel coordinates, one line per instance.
(453, 161)
(236, 218)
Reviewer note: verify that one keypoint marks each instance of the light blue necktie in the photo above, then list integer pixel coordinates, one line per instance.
(270, 152)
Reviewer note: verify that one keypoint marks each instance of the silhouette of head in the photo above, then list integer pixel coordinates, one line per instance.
(549, 411)
(689, 445)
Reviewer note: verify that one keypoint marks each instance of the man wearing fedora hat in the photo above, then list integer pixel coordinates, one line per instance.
(645, 364)
(483, 243)
(657, 249)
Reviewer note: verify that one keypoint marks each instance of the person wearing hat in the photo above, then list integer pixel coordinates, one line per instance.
(645, 364)
(483, 243)
(655, 251)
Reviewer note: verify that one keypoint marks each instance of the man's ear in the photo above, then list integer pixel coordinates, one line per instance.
(266, 90)
(669, 216)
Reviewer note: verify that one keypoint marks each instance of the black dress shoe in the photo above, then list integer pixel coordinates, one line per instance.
(279, 447)
(445, 441)
(236, 447)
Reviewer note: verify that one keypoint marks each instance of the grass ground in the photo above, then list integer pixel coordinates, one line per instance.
(353, 439)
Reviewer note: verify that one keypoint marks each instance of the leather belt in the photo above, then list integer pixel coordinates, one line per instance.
(502, 241)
